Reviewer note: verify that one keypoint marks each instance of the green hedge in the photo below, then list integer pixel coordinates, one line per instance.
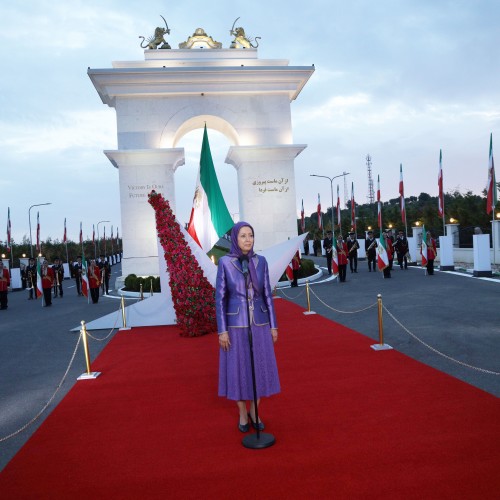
(133, 283)
(306, 269)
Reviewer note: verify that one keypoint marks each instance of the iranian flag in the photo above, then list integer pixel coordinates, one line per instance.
(491, 199)
(39, 288)
(423, 250)
(81, 234)
(302, 219)
(319, 214)
(440, 187)
(8, 230)
(382, 257)
(402, 194)
(38, 248)
(85, 277)
(210, 218)
(65, 235)
(335, 257)
(353, 209)
(379, 205)
(339, 222)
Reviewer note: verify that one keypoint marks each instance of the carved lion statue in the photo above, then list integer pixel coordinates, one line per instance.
(158, 39)
(241, 41)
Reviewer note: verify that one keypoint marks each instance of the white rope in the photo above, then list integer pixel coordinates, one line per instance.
(490, 372)
(339, 311)
(37, 416)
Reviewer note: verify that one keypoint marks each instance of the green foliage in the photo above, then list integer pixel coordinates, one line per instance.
(468, 209)
(133, 283)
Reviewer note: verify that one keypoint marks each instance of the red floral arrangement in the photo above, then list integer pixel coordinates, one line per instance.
(193, 296)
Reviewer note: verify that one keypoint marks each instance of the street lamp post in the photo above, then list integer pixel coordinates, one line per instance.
(98, 237)
(29, 220)
(331, 188)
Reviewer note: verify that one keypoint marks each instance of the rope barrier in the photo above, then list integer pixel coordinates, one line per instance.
(291, 298)
(433, 349)
(338, 310)
(40, 413)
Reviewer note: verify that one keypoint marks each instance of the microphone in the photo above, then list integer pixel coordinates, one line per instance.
(244, 264)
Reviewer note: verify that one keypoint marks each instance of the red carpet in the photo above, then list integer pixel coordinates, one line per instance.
(349, 423)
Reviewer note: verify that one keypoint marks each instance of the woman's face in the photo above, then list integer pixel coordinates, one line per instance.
(245, 239)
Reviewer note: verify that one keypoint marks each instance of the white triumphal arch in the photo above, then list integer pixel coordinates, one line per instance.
(174, 91)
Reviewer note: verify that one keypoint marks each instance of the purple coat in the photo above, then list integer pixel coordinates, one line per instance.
(230, 296)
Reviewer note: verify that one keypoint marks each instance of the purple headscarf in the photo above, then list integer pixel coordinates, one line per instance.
(236, 252)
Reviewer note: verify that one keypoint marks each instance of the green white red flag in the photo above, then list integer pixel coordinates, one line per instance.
(64, 235)
(302, 219)
(491, 199)
(339, 222)
(402, 194)
(319, 214)
(382, 257)
(423, 249)
(38, 247)
(210, 218)
(335, 257)
(353, 209)
(440, 187)
(85, 278)
(379, 205)
(8, 230)
(39, 287)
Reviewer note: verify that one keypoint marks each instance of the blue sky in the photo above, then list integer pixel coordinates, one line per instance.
(396, 79)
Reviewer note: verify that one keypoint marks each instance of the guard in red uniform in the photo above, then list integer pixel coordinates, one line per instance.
(94, 275)
(342, 255)
(4, 286)
(47, 283)
(431, 253)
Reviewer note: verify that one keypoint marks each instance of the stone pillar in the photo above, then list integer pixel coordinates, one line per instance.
(452, 230)
(446, 259)
(141, 171)
(415, 243)
(482, 257)
(495, 233)
(266, 190)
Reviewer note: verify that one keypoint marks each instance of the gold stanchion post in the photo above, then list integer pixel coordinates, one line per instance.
(124, 318)
(90, 374)
(380, 346)
(308, 312)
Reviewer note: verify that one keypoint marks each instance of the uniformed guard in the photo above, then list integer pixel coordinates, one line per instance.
(352, 247)
(31, 278)
(327, 246)
(77, 273)
(371, 251)
(401, 247)
(58, 269)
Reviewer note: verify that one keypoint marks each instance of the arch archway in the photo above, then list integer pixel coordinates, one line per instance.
(159, 100)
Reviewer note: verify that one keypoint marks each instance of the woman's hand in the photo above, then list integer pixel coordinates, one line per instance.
(224, 341)
(274, 333)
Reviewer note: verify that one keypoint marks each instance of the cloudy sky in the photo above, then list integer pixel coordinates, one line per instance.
(399, 80)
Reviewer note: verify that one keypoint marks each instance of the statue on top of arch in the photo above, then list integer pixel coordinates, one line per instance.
(241, 41)
(157, 40)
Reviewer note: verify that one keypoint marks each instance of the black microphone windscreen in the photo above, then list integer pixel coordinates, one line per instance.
(244, 264)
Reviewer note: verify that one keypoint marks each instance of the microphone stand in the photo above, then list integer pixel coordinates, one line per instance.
(259, 439)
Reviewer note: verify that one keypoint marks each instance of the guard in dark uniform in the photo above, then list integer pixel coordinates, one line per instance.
(31, 277)
(327, 246)
(58, 277)
(401, 247)
(390, 247)
(371, 251)
(105, 269)
(77, 273)
(352, 247)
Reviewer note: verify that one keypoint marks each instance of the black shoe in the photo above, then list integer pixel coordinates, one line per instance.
(254, 424)
(244, 427)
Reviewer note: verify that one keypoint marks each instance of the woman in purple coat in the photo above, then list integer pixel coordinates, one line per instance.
(235, 372)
